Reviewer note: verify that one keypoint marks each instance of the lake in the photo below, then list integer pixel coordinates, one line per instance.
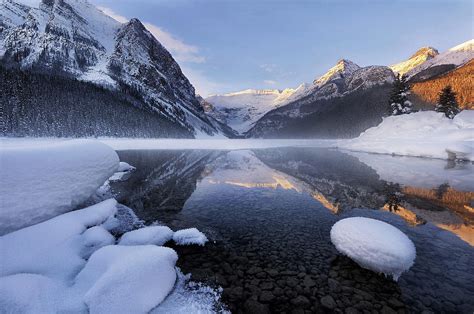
(269, 212)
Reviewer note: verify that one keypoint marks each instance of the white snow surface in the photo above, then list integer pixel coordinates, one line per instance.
(157, 235)
(55, 247)
(114, 273)
(189, 236)
(421, 134)
(374, 244)
(43, 179)
(70, 263)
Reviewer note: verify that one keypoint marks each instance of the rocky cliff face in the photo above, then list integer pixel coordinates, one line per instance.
(75, 39)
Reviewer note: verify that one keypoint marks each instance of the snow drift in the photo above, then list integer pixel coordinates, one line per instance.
(70, 264)
(421, 134)
(374, 245)
(42, 181)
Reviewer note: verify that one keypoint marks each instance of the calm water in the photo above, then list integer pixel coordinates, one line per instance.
(269, 213)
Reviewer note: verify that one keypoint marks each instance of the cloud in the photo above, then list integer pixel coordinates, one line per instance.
(180, 50)
(269, 82)
(268, 67)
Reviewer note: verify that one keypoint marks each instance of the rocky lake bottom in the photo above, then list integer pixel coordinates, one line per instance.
(268, 214)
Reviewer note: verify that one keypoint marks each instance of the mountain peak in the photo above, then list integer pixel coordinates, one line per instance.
(427, 51)
(343, 68)
(420, 56)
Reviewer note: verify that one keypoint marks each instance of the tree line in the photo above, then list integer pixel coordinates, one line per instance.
(35, 104)
(399, 103)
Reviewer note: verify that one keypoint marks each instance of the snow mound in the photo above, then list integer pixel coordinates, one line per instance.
(114, 273)
(56, 247)
(157, 235)
(374, 245)
(189, 236)
(422, 134)
(123, 166)
(39, 182)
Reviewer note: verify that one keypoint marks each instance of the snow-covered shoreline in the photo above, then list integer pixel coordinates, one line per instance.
(88, 260)
(426, 134)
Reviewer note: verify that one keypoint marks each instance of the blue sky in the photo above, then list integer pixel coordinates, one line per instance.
(230, 45)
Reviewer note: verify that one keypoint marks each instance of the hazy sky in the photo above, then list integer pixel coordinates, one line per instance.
(229, 45)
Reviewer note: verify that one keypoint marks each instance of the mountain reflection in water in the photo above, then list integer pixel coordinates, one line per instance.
(294, 195)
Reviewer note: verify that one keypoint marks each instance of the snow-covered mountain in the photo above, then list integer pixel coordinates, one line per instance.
(73, 38)
(240, 110)
(422, 55)
(345, 92)
(342, 69)
(443, 62)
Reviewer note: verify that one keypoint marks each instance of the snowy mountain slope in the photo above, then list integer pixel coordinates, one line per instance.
(443, 62)
(342, 69)
(74, 38)
(240, 110)
(347, 92)
(422, 55)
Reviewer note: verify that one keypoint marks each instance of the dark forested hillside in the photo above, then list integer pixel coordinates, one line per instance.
(35, 104)
(339, 117)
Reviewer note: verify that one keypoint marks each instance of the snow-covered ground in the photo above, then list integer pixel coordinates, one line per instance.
(421, 134)
(71, 263)
(46, 179)
(374, 244)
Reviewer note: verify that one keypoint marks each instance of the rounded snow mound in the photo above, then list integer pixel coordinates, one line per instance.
(157, 235)
(189, 236)
(374, 245)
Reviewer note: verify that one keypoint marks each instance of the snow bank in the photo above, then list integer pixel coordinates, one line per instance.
(70, 264)
(157, 235)
(56, 247)
(42, 181)
(374, 245)
(115, 273)
(422, 134)
(189, 236)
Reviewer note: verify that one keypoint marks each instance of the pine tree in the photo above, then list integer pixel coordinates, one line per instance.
(447, 102)
(399, 103)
